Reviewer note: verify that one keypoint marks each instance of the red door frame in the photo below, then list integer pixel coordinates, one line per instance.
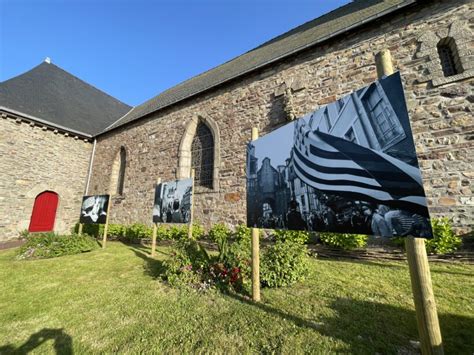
(43, 215)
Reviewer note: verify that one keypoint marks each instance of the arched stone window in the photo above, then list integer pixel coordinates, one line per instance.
(202, 156)
(200, 150)
(448, 56)
(117, 178)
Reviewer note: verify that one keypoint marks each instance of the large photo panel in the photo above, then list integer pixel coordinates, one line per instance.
(348, 167)
(94, 209)
(173, 202)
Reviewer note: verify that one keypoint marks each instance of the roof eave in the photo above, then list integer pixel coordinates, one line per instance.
(46, 122)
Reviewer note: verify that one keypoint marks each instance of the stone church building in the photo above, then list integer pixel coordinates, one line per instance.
(62, 138)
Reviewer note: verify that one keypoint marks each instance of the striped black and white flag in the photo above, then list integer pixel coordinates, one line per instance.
(335, 165)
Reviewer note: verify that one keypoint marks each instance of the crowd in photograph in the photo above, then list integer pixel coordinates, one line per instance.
(361, 218)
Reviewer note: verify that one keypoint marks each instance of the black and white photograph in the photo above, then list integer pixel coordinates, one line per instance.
(173, 202)
(94, 209)
(348, 167)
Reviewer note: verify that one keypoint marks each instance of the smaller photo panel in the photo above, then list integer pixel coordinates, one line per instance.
(94, 209)
(173, 202)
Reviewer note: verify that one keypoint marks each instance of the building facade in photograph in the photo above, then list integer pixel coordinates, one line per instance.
(369, 119)
(205, 122)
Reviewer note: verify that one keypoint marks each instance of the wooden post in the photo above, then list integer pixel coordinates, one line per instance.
(155, 229)
(425, 306)
(153, 239)
(106, 227)
(191, 215)
(383, 61)
(79, 230)
(255, 265)
(255, 250)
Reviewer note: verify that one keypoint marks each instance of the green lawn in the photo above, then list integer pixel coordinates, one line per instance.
(113, 301)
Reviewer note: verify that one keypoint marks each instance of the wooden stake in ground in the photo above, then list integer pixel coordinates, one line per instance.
(425, 305)
(79, 230)
(191, 214)
(255, 250)
(106, 227)
(155, 229)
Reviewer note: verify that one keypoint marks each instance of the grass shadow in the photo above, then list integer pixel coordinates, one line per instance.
(62, 342)
(144, 248)
(153, 267)
(300, 322)
(364, 324)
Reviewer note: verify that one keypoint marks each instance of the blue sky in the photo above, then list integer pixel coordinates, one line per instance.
(277, 144)
(135, 49)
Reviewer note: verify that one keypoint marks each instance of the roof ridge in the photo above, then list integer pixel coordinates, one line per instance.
(22, 73)
(85, 82)
(287, 33)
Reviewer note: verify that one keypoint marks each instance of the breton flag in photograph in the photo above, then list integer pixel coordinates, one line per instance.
(334, 165)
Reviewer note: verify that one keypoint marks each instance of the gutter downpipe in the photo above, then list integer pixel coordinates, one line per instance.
(91, 161)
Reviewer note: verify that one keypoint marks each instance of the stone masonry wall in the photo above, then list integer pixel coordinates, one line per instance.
(441, 119)
(33, 160)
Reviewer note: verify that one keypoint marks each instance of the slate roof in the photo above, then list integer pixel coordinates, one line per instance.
(320, 29)
(54, 96)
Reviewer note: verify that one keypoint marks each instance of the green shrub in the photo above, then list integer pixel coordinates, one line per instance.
(219, 234)
(300, 237)
(136, 231)
(444, 239)
(344, 240)
(198, 231)
(239, 255)
(188, 263)
(128, 233)
(117, 230)
(398, 242)
(95, 230)
(177, 232)
(284, 263)
(179, 270)
(50, 245)
(162, 232)
(242, 233)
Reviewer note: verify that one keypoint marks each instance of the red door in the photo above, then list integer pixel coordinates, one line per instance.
(44, 212)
